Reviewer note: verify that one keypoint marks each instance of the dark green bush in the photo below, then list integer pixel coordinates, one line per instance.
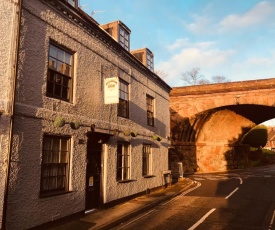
(256, 137)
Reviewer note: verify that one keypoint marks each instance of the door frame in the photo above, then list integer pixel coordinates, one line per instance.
(95, 138)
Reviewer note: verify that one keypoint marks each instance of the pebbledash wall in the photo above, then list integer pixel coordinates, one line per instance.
(96, 56)
(9, 18)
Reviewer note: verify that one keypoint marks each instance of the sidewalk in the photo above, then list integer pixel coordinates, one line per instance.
(107, 218)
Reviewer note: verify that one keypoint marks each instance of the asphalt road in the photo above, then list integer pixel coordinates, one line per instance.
(228, 201)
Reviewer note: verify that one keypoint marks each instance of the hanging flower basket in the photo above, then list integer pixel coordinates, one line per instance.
(157, 137)
(133, 134)
(74, 124)
(127, 132)
(59, 122)
(115, 132)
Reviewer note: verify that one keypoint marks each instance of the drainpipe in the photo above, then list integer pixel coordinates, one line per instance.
(15, 69)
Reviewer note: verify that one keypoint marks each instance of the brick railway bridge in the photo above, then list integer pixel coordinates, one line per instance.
(207, 120)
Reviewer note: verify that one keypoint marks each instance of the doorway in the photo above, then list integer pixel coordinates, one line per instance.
(94, 169)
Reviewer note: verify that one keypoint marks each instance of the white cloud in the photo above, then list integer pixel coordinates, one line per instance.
(201, 55)
(258, 15)
(179, 43)
(184, 42)
(200, 24)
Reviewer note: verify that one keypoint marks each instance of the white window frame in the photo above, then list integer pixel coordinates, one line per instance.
(55, 167)
(146, 160)
(123, 161)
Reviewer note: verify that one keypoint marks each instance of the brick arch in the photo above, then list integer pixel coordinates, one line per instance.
(207, 120)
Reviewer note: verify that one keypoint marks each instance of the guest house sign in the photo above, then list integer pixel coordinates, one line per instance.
(111, 90)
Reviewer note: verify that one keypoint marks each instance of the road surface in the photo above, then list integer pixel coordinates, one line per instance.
(238, 200)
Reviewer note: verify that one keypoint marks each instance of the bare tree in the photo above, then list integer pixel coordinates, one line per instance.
(204, 81)
(192, 77)
(219, 79)
(161, 73)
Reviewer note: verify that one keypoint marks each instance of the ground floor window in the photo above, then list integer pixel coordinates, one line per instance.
(123, 161)
(146, 160)
(55, 165)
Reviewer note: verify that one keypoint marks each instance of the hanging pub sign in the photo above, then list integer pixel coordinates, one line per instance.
(111, 90)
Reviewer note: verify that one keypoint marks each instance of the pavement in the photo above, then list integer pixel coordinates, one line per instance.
(110, 217)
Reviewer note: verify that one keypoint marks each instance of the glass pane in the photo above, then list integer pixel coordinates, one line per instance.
(53, 51)
(125, 161)
(68, 58)
(72, 2)
(61, 55)
(53, 170)
(52, 183)
(45, 171)
(57, 90)
(65, 94)
(52, 63)
(119, 174)
(63, 157)
(51, 76)
(50, 88)
(46, 156)
(47, 144)
(67, 70)
(62, 170)
(55, 157)
(64, 144)
(45, 183)
(60, 182)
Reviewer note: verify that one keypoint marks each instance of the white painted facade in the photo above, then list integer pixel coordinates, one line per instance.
(96, 56)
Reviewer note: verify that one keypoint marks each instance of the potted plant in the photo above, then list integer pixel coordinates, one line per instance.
(133, 133)
(156, 137)
(59, 122)
(127, 132)
(74, 124)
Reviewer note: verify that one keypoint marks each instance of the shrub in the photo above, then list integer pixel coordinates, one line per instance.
(59, 122)
(256, 137)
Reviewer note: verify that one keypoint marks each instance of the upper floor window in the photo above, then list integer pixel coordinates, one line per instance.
(150, 61)
(123, 105)
(74, 3)
(124, 38)
(150, 110)
(123, 161)
(146, 160)
(55, 165)
(60, 73)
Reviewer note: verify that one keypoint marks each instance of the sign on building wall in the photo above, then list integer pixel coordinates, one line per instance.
(111, 90)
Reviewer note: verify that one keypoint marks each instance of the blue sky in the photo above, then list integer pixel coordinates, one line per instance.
(232, 38)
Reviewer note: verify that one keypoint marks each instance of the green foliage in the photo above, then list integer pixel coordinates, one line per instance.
(59, 122)
(74, 124)
(256, 137)
(156, 137)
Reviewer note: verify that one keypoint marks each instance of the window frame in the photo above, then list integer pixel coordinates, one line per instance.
(124, 38)
(147, 160)
(60, 73)
(123, 104)
(150, 61)
(73, 3)
(150, 110)
(61, 169)
(123, 157)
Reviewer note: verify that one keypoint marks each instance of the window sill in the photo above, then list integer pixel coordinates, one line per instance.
(125, 181)
(148, 176)
(54, 194)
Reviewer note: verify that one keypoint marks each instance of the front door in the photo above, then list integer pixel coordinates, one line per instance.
(93, 176)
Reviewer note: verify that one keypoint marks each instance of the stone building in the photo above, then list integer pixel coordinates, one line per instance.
(66, 145)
